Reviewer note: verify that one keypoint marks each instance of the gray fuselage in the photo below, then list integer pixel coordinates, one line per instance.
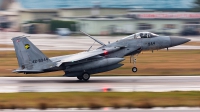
(129, 46)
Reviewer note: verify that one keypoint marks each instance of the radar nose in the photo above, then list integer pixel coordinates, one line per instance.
(177, 41)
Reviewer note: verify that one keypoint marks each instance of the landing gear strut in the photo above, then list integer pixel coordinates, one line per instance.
(134, 59)
(85, 76)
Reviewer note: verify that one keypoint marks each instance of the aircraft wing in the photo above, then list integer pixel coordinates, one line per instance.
(86, 55)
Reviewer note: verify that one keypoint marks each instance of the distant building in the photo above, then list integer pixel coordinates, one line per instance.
(37, 14)
(107, 16)
(158, 22)
(4, 4)
(9, 10)
(89, 12)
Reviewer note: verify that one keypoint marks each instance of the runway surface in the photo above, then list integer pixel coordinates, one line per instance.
(175, 109)
(121, 84)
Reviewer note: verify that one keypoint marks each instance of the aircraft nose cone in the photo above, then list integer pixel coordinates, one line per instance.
(177, 41)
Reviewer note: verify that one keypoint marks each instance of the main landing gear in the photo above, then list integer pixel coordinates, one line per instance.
(85, 76)
(134, 59)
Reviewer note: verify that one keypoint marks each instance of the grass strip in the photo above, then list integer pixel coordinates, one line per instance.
(158, 63)
(96, 100)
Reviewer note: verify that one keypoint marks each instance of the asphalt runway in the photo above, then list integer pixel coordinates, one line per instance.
(121, 84)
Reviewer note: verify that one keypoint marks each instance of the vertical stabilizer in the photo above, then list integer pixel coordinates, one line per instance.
(28, 55)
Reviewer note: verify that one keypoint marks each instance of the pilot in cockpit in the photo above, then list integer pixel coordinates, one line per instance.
(141, 35)
(147, 35)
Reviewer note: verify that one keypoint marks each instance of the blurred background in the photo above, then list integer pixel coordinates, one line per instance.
(101, 17)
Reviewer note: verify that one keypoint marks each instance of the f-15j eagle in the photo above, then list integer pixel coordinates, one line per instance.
(81, 65)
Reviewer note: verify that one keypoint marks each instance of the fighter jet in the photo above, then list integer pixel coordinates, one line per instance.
(81, 65)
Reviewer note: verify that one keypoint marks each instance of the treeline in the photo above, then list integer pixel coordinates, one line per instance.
(54, 24)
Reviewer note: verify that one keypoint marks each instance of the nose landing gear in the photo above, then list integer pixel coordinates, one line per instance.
(134, 69)
(133, 59)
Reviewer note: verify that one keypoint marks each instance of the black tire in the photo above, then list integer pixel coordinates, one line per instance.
(134, 69)
(79, 77)
(85, 76)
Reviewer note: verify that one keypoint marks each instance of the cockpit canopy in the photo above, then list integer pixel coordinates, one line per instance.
(141, 35)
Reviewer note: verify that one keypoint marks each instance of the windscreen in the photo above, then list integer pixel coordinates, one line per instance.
(141, 35)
